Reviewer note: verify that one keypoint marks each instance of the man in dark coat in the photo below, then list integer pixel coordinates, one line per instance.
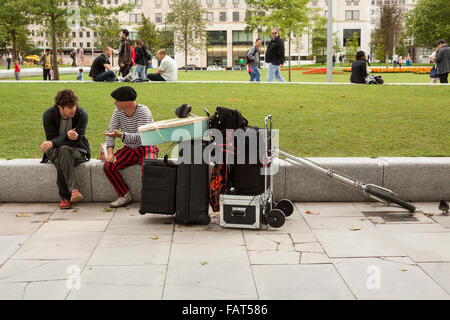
(442, 60)
(359, 69)
(66, 145)
(125, 60)
(274, 56)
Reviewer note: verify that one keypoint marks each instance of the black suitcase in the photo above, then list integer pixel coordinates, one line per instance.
(159, 180)
(192, 200)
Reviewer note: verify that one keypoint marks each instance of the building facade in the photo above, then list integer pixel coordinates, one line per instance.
(228, 41)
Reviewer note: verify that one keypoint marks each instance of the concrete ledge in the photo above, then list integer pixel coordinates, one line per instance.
(414, 179)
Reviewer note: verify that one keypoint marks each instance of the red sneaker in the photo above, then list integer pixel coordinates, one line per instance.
(76, 196)
(65, 204)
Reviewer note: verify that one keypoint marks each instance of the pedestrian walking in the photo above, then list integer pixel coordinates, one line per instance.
(400, 61)
(125, 60)
(8, 59)
(368, 60)
(341, 60)
(334, 59)
(141, 60)
(81, 55)
(254, 58)
(275, 56)
(395, 60)
(408, 61)
(73, 56)
(46, 63)
(442, 60)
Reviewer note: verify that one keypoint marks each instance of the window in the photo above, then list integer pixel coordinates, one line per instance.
(217, 37)
(88, 35)
(74, 34)
(158, 3)
(223, 16)
(170, 2)
(139, 3)
(81, 44)
(135, 17)
(351, 14)
(235, 16)
(132, 18)
(314, 3)
(81, 34)
(210, 2)
(88, 44)
(223, 3)
(116, 1)
(108, 2)
(74, 44)
(95, 33)
(242, 37)
(348, 35)
(210, 16)
(235, 1)
(158, 17)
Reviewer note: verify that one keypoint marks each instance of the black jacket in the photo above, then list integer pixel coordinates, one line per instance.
(443, 60)
(52, 119)
(275, 51)
(359, 72)
(141, 56)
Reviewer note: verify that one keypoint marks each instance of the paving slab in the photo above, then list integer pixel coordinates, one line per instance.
(59, 245)
(411, 228)
(86, 211)
(120, 283)
(226, 237)
(432, 207)
(329, 209)
(424, 247)
(28, 207)
(274, 257)
(399, 278)
(37, 270)
(74, 226)
(361, 243)
(378, 207)
(10, 244)
(266, 241)
(309, 247)
(40, 290)
(319, 222)
(440, 272)
(313, 258)
(298, 237)
(300, 282)
(131, 250)
(215, 271)
(21, 224)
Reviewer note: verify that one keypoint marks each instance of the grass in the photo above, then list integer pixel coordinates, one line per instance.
(297, 76)
(313, 120)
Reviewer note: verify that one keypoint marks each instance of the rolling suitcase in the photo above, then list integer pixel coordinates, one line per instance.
(159, 181)
(192, 200)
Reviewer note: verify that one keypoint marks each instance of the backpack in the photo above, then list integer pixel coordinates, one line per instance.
(247, 59)
(374, 79)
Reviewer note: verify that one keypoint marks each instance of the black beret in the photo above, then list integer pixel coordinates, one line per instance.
(124, 94)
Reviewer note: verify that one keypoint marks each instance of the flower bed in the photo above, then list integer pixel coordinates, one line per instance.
(293, 69)
(320, 71)
(416, 70)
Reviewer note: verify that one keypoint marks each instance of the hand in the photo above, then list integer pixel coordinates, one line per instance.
(46, 145)
(114, 134)
(111, 158)
(72, 134)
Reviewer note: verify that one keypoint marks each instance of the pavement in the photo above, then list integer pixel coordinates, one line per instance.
(350, 250)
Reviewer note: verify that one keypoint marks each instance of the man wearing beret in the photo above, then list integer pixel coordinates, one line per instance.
(128, 116)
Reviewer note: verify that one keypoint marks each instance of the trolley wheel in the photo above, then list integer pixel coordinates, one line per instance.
(275, 218)
(286, 206)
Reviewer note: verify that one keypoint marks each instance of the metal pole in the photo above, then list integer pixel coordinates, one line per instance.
(330, 42)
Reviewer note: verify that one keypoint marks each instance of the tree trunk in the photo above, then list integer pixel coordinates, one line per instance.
(289, 57)
(185, 55)
(14, 40)
(54, 52)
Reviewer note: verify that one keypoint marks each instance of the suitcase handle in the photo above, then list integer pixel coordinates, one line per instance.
(238, 211)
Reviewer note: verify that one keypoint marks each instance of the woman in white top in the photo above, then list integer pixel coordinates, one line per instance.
(433, 74)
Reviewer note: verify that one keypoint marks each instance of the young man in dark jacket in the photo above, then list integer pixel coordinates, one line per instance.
(125, 60)
(66, 145)
(275, 56)
(141, 60)
(359, 69)
(442, 61)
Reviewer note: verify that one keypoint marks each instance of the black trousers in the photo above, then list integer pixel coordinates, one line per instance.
(66, 159)
(443, 78)
(125, 70)
(47, 74)
(155, 77)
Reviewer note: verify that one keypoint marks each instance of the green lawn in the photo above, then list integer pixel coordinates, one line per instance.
(296, 76)
(313, 120)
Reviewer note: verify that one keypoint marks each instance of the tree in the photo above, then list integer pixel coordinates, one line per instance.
(149, 35)
(187, 20)
(291, 16)
(351, 48)
(387, 37)
(56, 14)
(14, 20)
(319, 39)
(429, 21)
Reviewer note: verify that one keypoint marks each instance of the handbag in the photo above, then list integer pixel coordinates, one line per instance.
(433, 72)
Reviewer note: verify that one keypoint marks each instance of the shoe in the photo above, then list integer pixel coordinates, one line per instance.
(65, 204)
(128, 78)
(120, 79)
(76, 196)
(122, 201)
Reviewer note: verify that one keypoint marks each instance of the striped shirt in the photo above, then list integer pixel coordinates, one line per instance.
(129, 125)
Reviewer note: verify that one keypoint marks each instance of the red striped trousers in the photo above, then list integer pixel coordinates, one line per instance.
(126, 157)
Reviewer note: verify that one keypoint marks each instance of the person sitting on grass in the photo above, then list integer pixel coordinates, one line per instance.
(167, 70)
(101, 69)
(359, 69)
(80, 74)
(128, 116)
(66, 145)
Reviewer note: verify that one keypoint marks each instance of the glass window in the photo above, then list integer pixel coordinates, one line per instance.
(235, 16)
(132, 18)
(158, 17)
(88, 44)
(88, 35)
(217, 37)
(210, 1)
(235, 1)
(210, 16)
(242, 37)
(81, 34)
(223, 1)
(223, 16)
(158, 2)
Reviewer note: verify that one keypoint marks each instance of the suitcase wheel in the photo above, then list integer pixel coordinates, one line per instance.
(286, 206)
(275, 218)
(141, 211)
